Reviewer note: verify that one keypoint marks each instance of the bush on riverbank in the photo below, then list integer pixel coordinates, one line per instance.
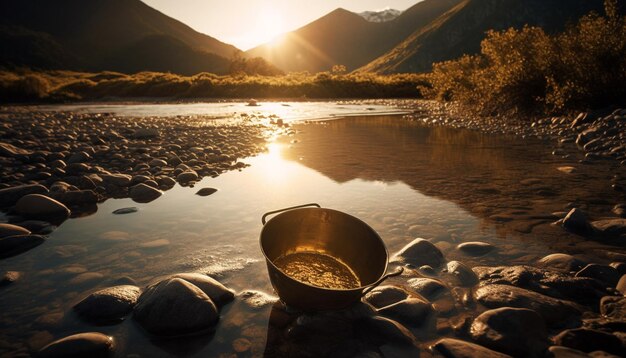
(65, 85)
(525, 71)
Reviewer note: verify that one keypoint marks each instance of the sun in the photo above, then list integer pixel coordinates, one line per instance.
(269, 26)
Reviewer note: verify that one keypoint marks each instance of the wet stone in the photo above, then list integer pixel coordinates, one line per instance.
(143, 193)
(219, 294)
(608, 275)
(576, 221)
(386, 295)
(561, 262)
(428, 287)
(206, 191)
(383, 330)
(620, 210)
(420, 252)
(554, 311)
(10, 196)
(109, 305)
(12, 230)
(590, 340)
(175, 307)
(621, 285)
(566, 352)
(515, 331)
(39, 206)
(610, 228)
(456, 348)
(411, 311)
(461, 275)
(475, 248)
(9, 277)
(613, 307)
(92, 344)
(17, 244)
(124, 211)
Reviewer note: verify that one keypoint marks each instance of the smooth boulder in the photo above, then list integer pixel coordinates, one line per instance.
(12, 230)
(460, 274)
(475, 248)
(219, 294)
(92, 345)
(143, 193)
(175, 307)
(386, 295)
(420, 252)
(411, 311)
(9, 196)
(37, 205)
(110, 305)
(456, 348)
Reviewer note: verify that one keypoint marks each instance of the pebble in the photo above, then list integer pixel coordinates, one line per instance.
(91, 344)
(124, 211)
(428, 287)
(562, 262)
(12, 230)
(419, 252)
(554, 311)
(143, 193)
(515, 331)
(17, 244)
(475, 248)
(456, 348)
(610, 228)
(620, 210)
(146, 133)
(460, 274)
(9, 277)
(576, 221)
(187, 177)
(206, 191)
(109, 305)
(39, 206)
(219, 294)
(613, 307)
(386, 295)
(411, 311)
(175, 307)
(589, 340)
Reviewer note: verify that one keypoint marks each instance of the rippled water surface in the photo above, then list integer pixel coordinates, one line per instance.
(403, 179)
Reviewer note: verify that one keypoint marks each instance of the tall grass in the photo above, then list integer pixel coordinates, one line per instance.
(527, 70)
(66, 85)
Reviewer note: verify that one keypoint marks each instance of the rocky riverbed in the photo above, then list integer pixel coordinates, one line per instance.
(555, 289)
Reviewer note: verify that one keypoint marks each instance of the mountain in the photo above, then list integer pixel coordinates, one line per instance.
(101, 34)
(460, 30)
(380, 16)
(346, 38)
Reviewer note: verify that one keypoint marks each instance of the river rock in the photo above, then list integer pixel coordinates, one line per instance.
(554, 311)
(12, 230)
(109, 305)
(608, 275)
(9, 277)
(143, 193)
(384, 330)
(92, 344)
(122, 180)
(145, 133)
(515, 331)
(206, 191)
(76, 198)
(576, 221)
(475, 248)
(561, 262)
(613, 307)
(621, 285)
(590, 340)
(219, 294)
(9, 150)
(37, 206)
(386, 295)
(157, 163)
(15, 245)
(124, 211)
(620, 210)
(10, 196)
(420, 252)
(175, 307)
(186, 177)
(456, 348)
(461, 275)
(428, 287)
(551, 283)
(411, 311)
(610, 228)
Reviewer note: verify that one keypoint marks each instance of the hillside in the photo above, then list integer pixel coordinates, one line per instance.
(345, 38)
(86, 35)
(460, 30)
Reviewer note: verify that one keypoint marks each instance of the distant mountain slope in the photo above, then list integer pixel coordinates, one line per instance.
(345, 38)
(460, 30)
(91, 31)
(380, 16)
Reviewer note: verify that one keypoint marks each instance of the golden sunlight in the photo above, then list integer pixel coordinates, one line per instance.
(269, 26)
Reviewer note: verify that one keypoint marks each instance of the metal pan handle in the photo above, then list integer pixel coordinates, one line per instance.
(397, 272)
(285, 209)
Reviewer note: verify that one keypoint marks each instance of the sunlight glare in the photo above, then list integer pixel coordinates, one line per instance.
(275, 168)
(269, 26)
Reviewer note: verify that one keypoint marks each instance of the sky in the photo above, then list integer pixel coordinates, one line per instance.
(248, 23)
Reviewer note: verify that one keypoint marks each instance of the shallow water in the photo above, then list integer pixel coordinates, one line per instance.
(403, 179)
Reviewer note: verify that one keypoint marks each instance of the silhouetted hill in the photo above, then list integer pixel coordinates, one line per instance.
(87, 34)
(460, 30)
(345, 38)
